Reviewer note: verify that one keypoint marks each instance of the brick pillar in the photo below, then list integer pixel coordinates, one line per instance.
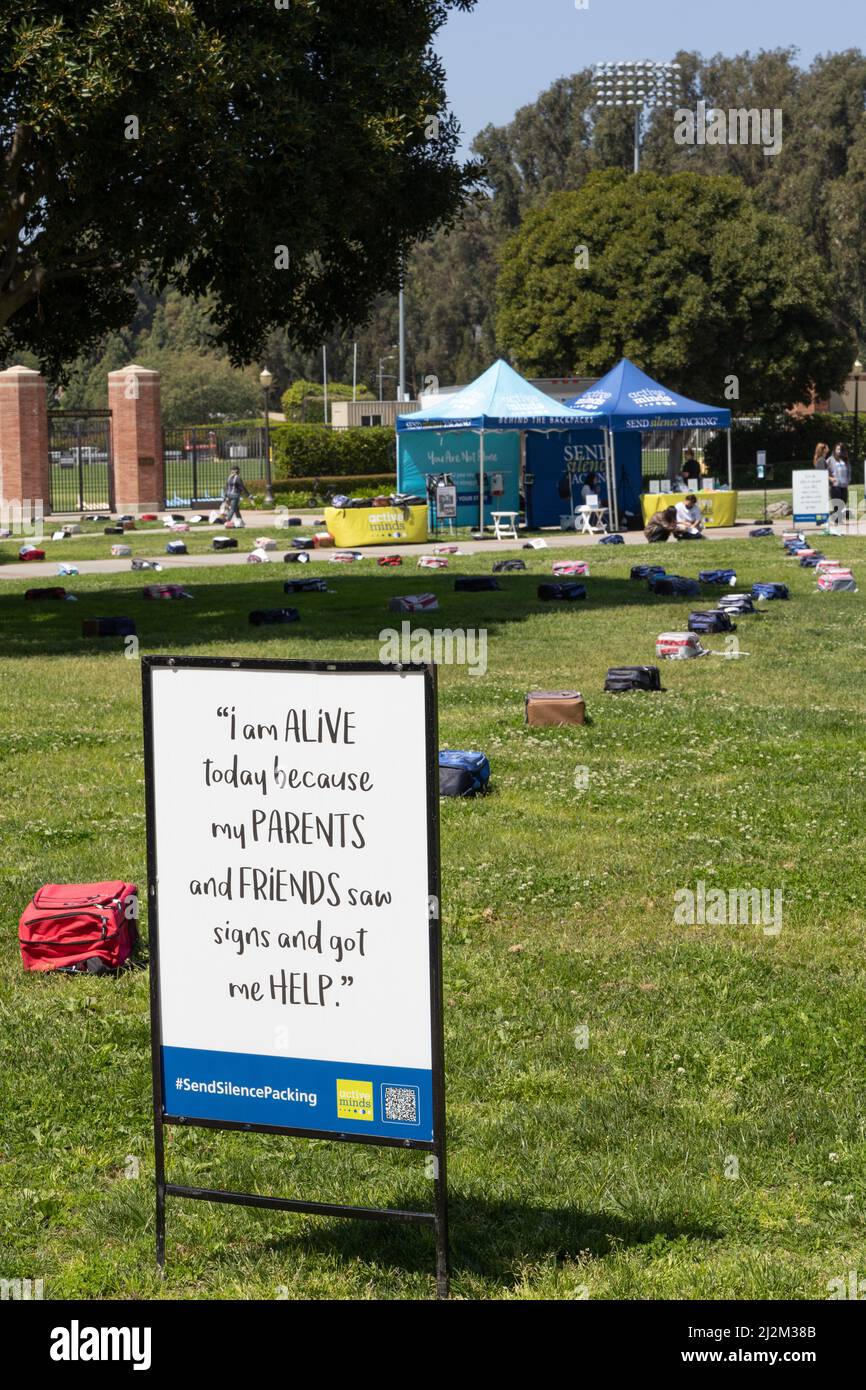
(24, 471)
(136, 435)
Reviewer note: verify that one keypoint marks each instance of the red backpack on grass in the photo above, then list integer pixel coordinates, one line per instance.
(80, 927)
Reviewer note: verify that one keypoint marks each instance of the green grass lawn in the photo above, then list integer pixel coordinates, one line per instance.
(597, 1171)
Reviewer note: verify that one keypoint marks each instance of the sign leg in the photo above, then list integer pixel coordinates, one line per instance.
(440, 1207)
(159, 1164)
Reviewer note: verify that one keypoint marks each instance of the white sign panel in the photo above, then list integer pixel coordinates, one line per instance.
(446, 501)
(811, 488)
(290, 844)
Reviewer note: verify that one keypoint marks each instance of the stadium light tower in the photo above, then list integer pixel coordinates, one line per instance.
(639, 86)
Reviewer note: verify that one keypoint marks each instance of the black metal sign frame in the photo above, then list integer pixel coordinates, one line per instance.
(438, 1217)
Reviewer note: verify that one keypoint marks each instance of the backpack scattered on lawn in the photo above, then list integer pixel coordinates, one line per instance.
(737, 603)
(45, 593)
(108, 627)
(79, 927)
(760, 531)
(390, 560)
(711, 620)
(414, 603)
(612, 540)
(768, 591)
(176, 548)
(225, 543)
(718, 577)
(259, 616)
(507, 566)
(561, 592)
(837, 581)
(475, 583)
(647, 571)
(305, 586)
(622, 678)
(545, 709)
(165, 591)
(674, 585)
(462, 773)
(679, 646)
(574, 567)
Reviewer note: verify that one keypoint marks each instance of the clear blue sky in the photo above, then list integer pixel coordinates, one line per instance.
(505, 52)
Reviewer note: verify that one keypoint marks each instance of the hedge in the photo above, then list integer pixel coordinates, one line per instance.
(311, 451)
(385, 482)
(789, 443)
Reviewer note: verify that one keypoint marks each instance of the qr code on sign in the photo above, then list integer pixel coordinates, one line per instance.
(400, 1104)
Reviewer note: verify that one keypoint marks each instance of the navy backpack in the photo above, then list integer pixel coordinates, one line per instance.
(462, 773)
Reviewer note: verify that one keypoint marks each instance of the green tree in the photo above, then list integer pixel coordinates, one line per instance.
(304, 401)
(687, 275)
(197, 388)
(278, 158)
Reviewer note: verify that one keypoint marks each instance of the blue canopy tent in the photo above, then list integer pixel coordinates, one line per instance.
(499, 400)
(627, 401)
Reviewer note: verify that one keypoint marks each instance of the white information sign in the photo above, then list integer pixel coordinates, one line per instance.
(291, 826)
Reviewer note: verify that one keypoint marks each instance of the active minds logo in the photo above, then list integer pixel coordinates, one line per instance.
(591, 400)
(648, 398)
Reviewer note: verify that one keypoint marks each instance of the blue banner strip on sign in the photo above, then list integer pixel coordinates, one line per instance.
(342, 1097)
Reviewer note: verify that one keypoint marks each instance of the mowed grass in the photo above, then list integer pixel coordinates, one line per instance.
(595, 1171)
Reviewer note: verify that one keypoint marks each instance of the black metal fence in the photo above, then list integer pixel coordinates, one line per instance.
(80, 468)
(198, 460)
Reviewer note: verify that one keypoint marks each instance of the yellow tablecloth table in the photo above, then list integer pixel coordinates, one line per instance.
(718, 508)
(354, 526)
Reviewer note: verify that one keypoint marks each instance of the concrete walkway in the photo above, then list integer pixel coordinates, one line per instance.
(555, 540)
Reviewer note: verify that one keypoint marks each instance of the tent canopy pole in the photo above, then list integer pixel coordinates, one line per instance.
(730, 460)
(481, 481)
(614, 496)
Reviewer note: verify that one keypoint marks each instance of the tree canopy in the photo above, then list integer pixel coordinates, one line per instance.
(280, 158)
(684, 273)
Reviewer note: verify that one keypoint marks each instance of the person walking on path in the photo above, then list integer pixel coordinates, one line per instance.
(235, 489)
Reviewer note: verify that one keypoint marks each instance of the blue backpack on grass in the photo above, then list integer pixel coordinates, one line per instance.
(718, 576)
(766, 591)
(462, 773)
(673, 585)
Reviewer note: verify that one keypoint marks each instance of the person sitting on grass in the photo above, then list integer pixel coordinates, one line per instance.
(662, 525)
(235, 489)
(690, 519)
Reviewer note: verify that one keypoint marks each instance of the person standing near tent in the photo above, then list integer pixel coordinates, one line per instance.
(235, 488)
(820, 459)
(840, 474)
(691, 468)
